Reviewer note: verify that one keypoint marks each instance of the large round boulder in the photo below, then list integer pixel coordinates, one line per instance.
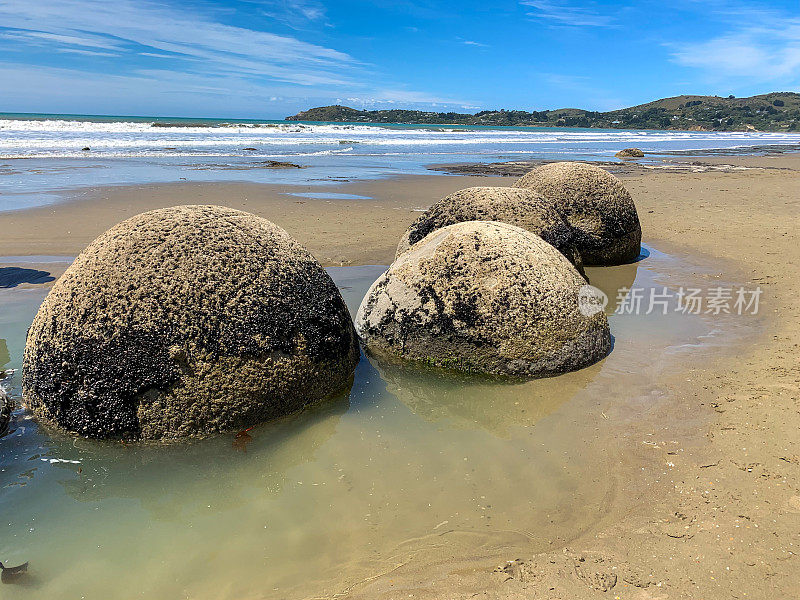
(483, 297)
(515, 206)
(187, 321)
(596, 205)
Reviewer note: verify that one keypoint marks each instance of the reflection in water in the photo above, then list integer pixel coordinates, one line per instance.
(469, 402)
(4, 356)
(613, 279)
(167, 478)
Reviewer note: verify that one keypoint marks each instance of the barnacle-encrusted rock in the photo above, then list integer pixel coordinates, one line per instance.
(515, 206)
(596, 205)
(187, 321)
(484, 297)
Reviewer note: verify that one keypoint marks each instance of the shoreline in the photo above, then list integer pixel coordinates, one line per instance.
(722, 519)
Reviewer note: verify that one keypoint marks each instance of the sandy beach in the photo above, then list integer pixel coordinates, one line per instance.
(716, 513)
(336, 231)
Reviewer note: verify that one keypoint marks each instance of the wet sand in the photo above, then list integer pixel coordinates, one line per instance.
(716, 512)
(337, 231)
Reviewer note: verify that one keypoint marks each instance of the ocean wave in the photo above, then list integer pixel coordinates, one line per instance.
(66, 138)
(369, 130)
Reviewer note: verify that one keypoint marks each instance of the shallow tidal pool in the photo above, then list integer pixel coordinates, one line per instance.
(408, 460)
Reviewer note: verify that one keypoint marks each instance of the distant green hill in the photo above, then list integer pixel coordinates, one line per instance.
(778, 111)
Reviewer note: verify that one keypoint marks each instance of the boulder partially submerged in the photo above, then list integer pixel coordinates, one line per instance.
(630, 153)
(483, 297)
(187, 321)
(515, 206)
(595, 204)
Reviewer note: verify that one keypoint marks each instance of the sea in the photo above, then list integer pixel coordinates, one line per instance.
(42, 156)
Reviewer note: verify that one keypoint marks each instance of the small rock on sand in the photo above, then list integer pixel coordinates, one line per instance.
(630, 153)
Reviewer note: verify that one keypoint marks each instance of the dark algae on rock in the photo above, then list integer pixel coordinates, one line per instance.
(483, 297)
(515, 206)
(5, 411)
(187, 321)
(597, 206)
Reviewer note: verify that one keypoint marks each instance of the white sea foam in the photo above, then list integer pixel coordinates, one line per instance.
(53, 138)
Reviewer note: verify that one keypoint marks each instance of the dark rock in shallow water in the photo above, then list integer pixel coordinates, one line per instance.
(276, 164)
(483, 297)
(515, 206)
(596, 205)
(6, 406)
(187, 321)
(630, 153)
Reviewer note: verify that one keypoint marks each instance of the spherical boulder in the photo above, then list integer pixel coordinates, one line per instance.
(595, 204)
(187, 321)
(515, 206)
(483, 297)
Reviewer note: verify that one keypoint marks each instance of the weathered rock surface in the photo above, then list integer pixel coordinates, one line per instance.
(596, 205)
(630, 153)
(483, 297)
(515, 206)
(187, 321)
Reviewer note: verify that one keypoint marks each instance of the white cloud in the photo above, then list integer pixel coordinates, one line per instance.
(394, 98)
(294, 13)
(198, 54)
(156, 55)
(30, 90)
(222, 48)
(411, 97)
(565, 14)
(763, 51)
(83, 52)
(43, 38)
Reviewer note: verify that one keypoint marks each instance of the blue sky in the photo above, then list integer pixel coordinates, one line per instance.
(271, 58)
